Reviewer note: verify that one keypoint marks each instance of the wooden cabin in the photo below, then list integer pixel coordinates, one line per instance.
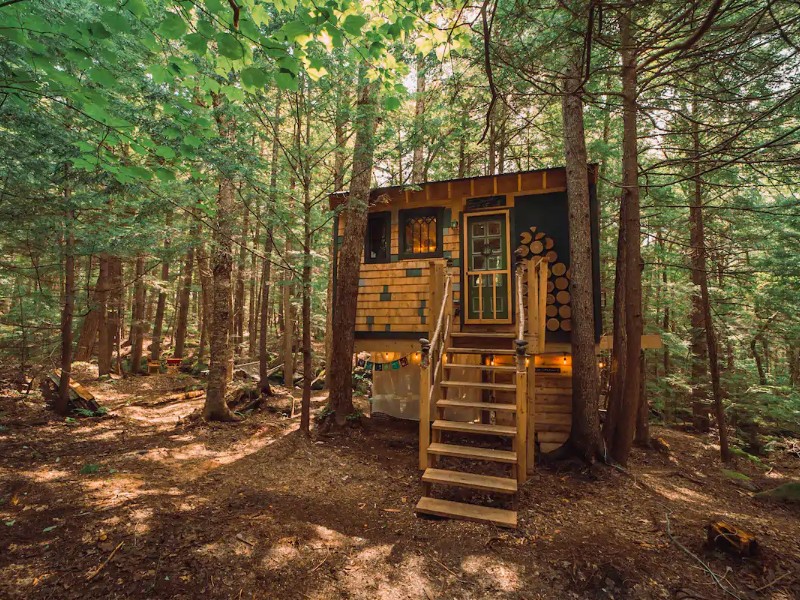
(464, 317)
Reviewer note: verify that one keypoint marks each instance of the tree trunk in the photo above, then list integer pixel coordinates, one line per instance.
(137, 317)
(62, 402)
(418, 157)
(206, 296)
(238, 304)
(184, 297)
(699, 251)
(221, 353)
(642, 437)
(252, 307)
(585, 434)
(105, 343)
(87, 338)
(158, 322)
(621, 422)
(350, 253)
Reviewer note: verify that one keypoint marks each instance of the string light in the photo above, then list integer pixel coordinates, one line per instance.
(565, 358)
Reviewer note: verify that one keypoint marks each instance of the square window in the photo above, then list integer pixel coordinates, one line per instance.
(377, 244)
(421, 233)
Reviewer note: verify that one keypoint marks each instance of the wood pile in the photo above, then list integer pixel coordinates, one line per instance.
(559, 312)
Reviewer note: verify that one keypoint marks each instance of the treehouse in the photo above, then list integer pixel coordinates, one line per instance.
(464, 318)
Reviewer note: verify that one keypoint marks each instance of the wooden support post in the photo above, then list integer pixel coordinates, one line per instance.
(533, 304)
(424, 404)
(521, 441)
(542, 304)
(530, 430)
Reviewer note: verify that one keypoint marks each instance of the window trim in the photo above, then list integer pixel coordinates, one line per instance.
(403, 215)
(386, 218)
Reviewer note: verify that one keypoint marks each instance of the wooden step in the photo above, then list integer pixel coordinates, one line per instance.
(484, 483)
(468, 512)
(480, 385)
(479, 405)
(493, 335)
(503, 456)
(496, 368)
(556, 391)
(495, 351)
(479, 428)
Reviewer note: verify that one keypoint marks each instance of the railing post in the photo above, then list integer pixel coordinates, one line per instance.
(424, 403)
(521, 442)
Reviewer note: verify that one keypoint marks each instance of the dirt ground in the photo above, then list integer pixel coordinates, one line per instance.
(186, 510)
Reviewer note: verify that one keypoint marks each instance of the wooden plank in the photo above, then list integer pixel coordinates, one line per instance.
(553, 418)
(471, 452)
(496, 368)
(521, 440)
(564, 409)
(510, 387)
(479, 428)
(551, 427)
(554, 391)
(477, 405)
(467, 512)
(553, 436)
(424, 415)
(486, 483)
(495, 351)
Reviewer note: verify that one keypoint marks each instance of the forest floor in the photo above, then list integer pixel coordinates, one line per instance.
(185, 509)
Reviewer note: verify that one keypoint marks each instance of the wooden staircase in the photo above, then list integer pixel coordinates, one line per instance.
(476, 382)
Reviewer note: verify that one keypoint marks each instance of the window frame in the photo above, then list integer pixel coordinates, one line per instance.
(410, 213)
(384, 217)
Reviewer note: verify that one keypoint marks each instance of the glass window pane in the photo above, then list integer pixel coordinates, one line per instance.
(494, 228)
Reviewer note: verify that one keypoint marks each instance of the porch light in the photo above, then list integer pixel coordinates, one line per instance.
(565, 358)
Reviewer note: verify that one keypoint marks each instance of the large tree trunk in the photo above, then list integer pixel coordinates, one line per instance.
(350, 253)
(585, 434)
(62, 402)
(206, 295)
(158, 321)
(221, 264)
(184, 296)
(621, 421)
(338, 185)
(137, 317)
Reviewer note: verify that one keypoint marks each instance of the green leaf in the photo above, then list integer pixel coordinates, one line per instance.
(115, 21)
(49, 529)
(229, 46)
(137, 7)
(286, 81)
(196, 43)
(99, 31)
(165, 152)
(160, 74)
(192, 141)
(353, 24)
(102, 77)
(233, 93)
(289, 63)
(206, 28)
(391, 103)
(294, 29)
(259, 15)
(253, 78)
(90, 468)
(172, 27)
(165, 174)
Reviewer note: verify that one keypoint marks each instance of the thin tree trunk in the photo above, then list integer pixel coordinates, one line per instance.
(252, 309)
(105, 344)
(184, 297)
(206, 299)
(62, 402)
(308, 373)
(137, 317)
(158, 322)
(350, 253)
(585, 436)
(238, 305)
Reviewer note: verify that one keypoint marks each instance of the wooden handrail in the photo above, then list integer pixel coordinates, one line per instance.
(520, 303)
(442, 310)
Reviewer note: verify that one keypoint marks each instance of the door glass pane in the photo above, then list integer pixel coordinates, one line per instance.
(487, 245)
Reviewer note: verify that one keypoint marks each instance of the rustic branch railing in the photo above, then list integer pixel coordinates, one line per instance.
(436, 348)
(521, 379)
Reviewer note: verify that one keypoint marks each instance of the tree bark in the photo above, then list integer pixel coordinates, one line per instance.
(161, 307)
(222, 264)
(308, 373)
(585, 436)
(87, 338)
(62, 402)
(621, 419)
(137, 317)
(418, 157)
(350, 253)
(105, 343)
(206, 296)
(238, 304)
(184, 297)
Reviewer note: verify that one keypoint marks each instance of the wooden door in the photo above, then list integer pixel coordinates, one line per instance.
(487, 268)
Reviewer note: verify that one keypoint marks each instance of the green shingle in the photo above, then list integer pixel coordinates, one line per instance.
(413, 272)
(385, 297)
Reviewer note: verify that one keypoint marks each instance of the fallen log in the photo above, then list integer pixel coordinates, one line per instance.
(731, 539)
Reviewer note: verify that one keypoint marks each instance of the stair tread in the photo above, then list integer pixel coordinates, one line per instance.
(504, 456)
(498, 351)
(489, 483)
(495, 335)
(468, 512)
(481, 428)
(505, 407)
(484, 385)
(500, 368)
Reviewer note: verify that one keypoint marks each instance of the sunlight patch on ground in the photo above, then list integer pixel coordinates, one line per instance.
(497, 573)
(334, 539)
(46, 475)
(363, 580)
(283, 552)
